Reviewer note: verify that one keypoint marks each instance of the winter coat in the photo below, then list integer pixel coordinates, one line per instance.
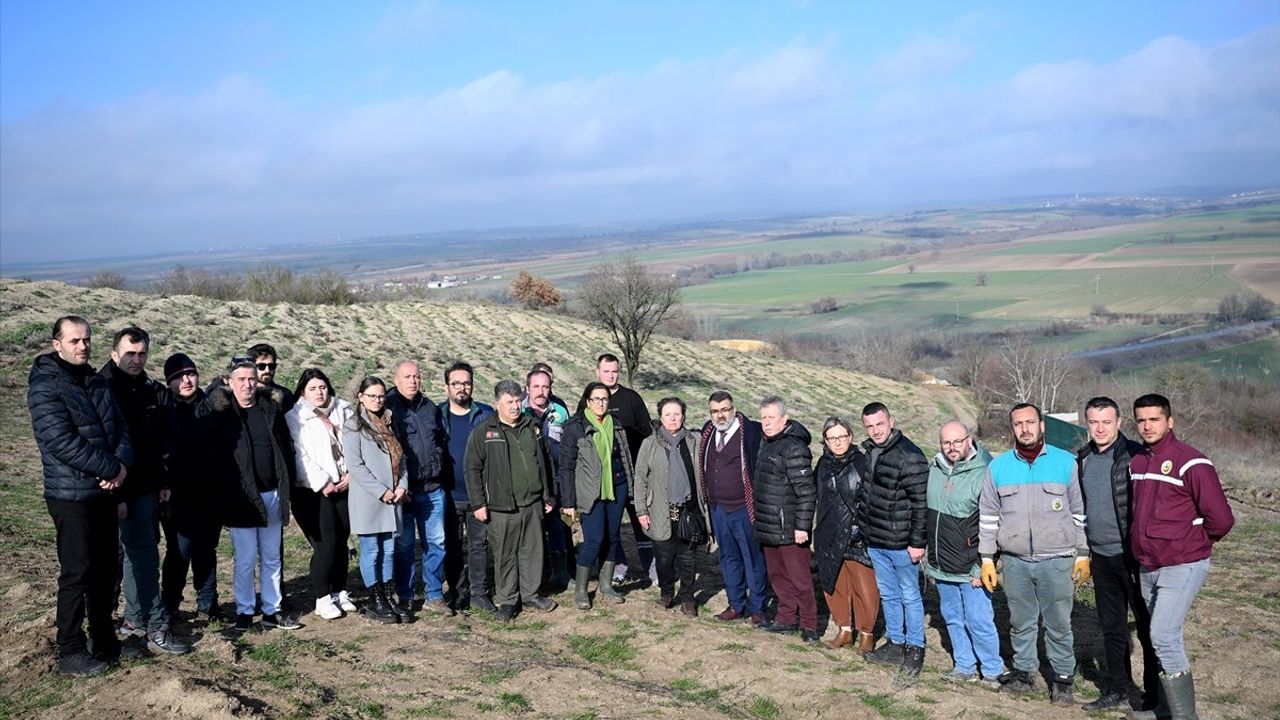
(784, 489)
(951, 554)
(313, 450)
(836, 536)
(228, 455)
(748, 438)
(78, 427)
(652, 491)
(1179, 509)
(894, 512)
(629, 413)
(1122, 451)
(147, 407)
(492, 449)
(578, 477)
(448, 463)
(1032, 510)
(415, 425)
(189, 478)
(370, 469)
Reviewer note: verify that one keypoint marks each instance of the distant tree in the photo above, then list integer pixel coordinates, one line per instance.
(107, 279)
(1246, 307)
(534, 292)
(911, 269)
(630, 302)
(982, 279)
(824, 304)
(269, 283)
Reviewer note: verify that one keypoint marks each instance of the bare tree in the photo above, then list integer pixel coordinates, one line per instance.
(982, 279)
(911, 269)
(630, 302)
(1026, 373)
(107, 279)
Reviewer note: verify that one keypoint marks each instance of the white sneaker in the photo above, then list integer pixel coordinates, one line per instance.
(326, 609)
(344, 602)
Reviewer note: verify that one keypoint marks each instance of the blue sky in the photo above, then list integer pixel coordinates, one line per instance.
(131, 127)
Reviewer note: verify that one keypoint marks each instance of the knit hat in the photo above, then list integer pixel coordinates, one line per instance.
(177, 364)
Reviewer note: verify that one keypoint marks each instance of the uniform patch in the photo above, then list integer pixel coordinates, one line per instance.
(492, 434)
(1057, 504)
(1166, 467)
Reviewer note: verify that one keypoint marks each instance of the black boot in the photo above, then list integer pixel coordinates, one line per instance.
(604, 583)
(559, 571)
(890, 653)
(580, 597)
(379, 606)
(402, 608)
(1061, 691)
(1180, 695)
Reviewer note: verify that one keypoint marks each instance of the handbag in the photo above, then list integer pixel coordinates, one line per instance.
(689, 525)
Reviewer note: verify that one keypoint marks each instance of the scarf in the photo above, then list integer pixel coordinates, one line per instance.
(1029, 454)
(677, 473)
(335, 438)
(386, 439)
(603, 440)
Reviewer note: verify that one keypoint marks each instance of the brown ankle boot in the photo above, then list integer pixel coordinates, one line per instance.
(866, 641)
(843, 639)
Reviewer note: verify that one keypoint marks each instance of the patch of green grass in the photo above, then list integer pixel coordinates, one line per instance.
(608, 650)
(690, 690)
(50, 691)
(512, 702)
(765, 708)
(737, 648)
(887, 706)
(439, 708)
(393, 666)
(272, 653)
(355, 644)
(495, 675)
(371, 708)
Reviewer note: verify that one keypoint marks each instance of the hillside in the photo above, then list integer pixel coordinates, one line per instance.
(619, 661)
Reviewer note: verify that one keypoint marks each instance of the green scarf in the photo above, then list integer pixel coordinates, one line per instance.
(603, 440)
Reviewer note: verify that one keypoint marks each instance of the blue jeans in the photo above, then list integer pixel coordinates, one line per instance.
(972, 627)
(376, 552)
(140, 536)
(1169, 592)
(1035, 591)
(424, 518)
(741, 560)
(601, 528)
(898, 580)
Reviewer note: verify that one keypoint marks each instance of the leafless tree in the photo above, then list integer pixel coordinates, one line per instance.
(1025, 373)
(911, 269)
(630, 302)
(982, 279)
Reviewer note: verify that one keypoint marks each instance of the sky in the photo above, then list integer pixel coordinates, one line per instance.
(141, 127)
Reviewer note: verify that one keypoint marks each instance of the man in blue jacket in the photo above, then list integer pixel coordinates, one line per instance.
(85, 450)
(468, 560)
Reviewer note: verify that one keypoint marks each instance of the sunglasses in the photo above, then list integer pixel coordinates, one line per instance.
(266, 366)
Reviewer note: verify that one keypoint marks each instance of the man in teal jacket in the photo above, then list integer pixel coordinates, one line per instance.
(951, 556)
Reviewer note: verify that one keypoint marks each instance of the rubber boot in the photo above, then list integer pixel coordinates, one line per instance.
(1180, 695)
(604, 585)
(580, 596)
(559, 570)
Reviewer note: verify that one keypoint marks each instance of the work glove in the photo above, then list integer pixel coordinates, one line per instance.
(1081, 572)
(989, 577)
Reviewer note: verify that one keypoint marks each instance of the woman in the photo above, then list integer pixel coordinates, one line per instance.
(379, 486)
(594, 476)
(844, 567)
(320, 492)
(666, 485)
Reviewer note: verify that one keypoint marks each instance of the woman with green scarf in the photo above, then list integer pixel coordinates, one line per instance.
(594, 478)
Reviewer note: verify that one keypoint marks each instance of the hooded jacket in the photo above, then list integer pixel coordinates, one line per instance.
(951, 554)
(895, 512)
(785, 493)
(228, 455)
(313, 450)
(78, 427)
(148, 410)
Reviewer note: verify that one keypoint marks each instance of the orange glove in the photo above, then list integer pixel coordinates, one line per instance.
(989, 577)
(1081, 572)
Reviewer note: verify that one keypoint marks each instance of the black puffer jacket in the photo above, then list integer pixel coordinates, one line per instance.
(78, 427)
(784, 491)
(895, 511)
(148, 410)
(188, 474)
(228, 455)
(1122, 451)
(836, 536)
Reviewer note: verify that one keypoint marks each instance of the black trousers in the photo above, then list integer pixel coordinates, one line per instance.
(88, 544)
(1116, 591)
(675, 560)
(468, 560)
(191, 531)
(326, 522)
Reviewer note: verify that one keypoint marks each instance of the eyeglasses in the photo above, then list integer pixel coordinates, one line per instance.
(954, 443)
(375, 398)
(460, 384)
(838, 438)
(266, 366)
(597, 399)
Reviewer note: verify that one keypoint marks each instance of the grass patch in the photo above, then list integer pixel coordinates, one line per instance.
(737, 648)
(355, 644)
(512, 702)
(440, 708)
(393, 666)
(765, 708)
(608, 650)
(690, 690)
(887, 706)
(495, 675)
(49, 692)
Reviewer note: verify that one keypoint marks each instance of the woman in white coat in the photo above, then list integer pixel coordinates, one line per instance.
(320, 492)
(379, 486)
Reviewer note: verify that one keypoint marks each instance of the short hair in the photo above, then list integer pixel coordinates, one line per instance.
(307, 376)
(720, 396)
(684, 409)
(542, 367)
(1153, 400)
(875, 407)
(57, 324)
(535, 371)
(238, 362)
(1101, 403)
(396, 368)
(1024, 406)
(135, 334)
(607, 357)
(507, 387)
(836, 421)
(774, 401)
(257, 351)
(456, 366)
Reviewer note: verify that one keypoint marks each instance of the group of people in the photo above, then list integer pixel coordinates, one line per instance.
(481, 501)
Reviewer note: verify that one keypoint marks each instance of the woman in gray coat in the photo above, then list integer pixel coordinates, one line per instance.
(379, 486)
(666, 485)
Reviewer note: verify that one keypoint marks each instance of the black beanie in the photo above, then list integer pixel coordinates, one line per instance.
(177, 364)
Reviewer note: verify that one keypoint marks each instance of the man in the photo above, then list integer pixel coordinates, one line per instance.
(148, 412)
(550, 415)
(785, 496)
(468, 562)
(1104, 482)
(629, 412)
(1179, 512)
(1032, 513)
(266, 361)
(191, 530)
(508, 475)
(249, 454)
(951, 556)
(893, 517)
(414, 419)
(84, 450)
(727, 450)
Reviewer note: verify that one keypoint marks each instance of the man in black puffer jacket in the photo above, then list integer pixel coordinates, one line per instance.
(784, 494)
(894, 518)
(84, 448)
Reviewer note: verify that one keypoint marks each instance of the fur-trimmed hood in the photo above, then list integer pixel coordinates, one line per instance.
(222, 399)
